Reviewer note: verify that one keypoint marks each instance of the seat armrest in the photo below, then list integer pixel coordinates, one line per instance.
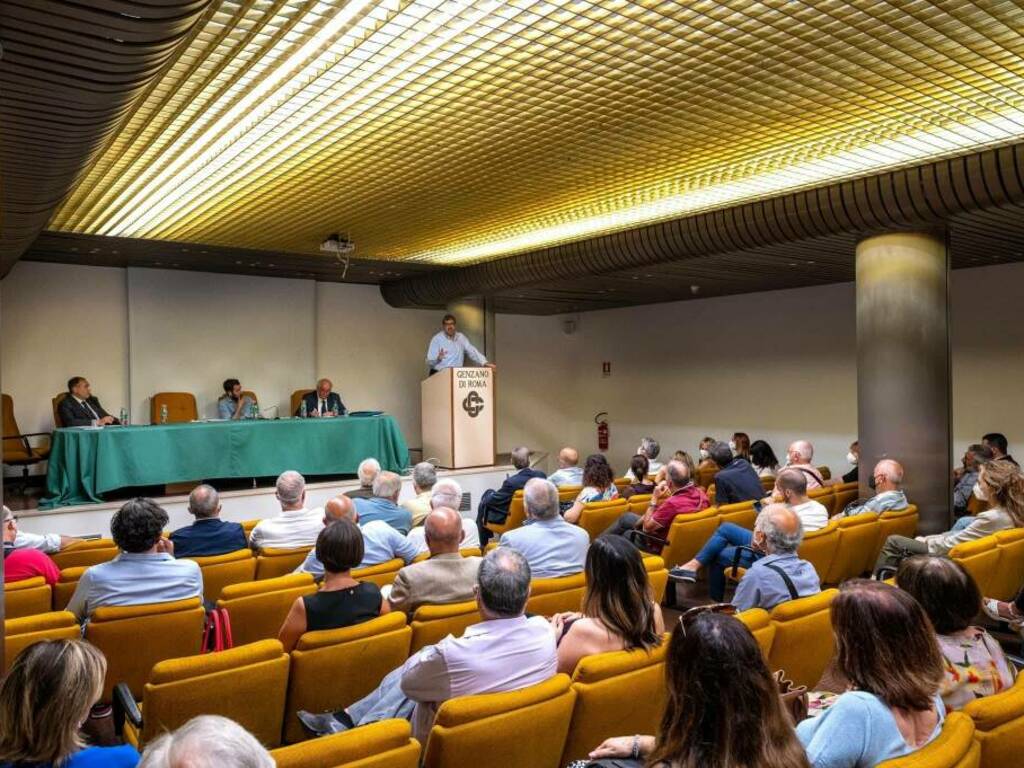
(736, 558)
(125, 707)
(636, 533)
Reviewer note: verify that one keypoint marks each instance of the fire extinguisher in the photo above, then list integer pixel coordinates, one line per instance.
(602, 430)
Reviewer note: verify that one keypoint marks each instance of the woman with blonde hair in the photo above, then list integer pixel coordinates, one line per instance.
(45, 699)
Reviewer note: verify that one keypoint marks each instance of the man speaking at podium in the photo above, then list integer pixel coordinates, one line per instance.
(449, 349)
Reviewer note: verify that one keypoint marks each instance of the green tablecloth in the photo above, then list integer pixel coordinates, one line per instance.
(85, 463)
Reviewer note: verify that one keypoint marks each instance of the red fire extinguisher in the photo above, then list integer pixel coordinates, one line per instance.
(602, 430)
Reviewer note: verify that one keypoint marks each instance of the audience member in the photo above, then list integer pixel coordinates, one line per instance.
(1001, 484)
(887, 482)
(799, 456)
(447, 577)
(779, 575)
(80, 408)
(723, 708)
(322, 402)
(650, 448)
(997, 443)
(569, 472)
(966, 475)
(381, 542)
(341, 600)
(1011, 611)
(619, 612)
(424, 476)
(853, 458)
(207, 741)
(44, 700)
(506, 651)
(208, 535)
(598, 485)
(494, 504)
(144, 571)
(367, 472)
(49, 543)
(684, 457)
(791, 489)
(447, 493)
(887, 651)
(736, 480)
(296, 526)
(638, 467)
(232, 405)
(383, 505)
(704, 452)
(21, 564)
(975, 664)
(677, 495)
(552, 546)
(763, 459)
(740, 445)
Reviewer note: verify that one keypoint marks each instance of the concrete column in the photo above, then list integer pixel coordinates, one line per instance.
(903, 369)
(475, 317)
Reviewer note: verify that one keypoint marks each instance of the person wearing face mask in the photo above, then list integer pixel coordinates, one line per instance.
(853, 457)
(705, 453)
(887, 482)
(740, 445)
(965, 478)
(1001, 484)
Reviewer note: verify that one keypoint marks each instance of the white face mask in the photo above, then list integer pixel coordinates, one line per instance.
(852, 458)
(979, 492)
(704, 454)
(732, 446)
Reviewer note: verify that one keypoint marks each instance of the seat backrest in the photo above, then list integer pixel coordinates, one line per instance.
(271, 562)
(843, 495)
(90, 552)
(556, 595)
(819, 547)
(432, 623)
(134, 638)
(803, 643)
(27, 597)
(246, 683)
(19, 634)
(569, 492)
(980, 558)
(598, 515)
(57, 399)
(657, 575)
(621, 483)
(825, 472)
(66, 585)
(638, 503)
(706, 476)
(742, 514)
(823, 496)
(219, 571)
(999, 724)
(382, 574)
(296, 401)
(181, 407)
(250, 394)
(759, 622)
(384, 744)
(768, 483)
(687, 535)
(954, 747)
(10, 425)
(257, 609)
(334, 668)
(533, 723)
(1009, 575)
(855, 551)
(897, 522)
(248, 525)
(603, 682)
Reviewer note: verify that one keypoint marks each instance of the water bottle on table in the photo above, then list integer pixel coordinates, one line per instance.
(255, 410)
(163, 413)
(303, 411)
(124, 417)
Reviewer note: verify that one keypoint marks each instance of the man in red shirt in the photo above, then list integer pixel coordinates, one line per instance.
(26, 563)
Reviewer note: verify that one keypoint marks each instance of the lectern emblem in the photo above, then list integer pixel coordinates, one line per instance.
(473, 404)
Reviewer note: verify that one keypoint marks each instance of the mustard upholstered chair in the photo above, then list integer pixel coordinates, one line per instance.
(1009, 576)
(767, 484)
(759, 622)
(980, 558)
(844, 494)
(706, 476)
(257, 609)
(432, 623)
(56, 401)
(999, 725)
(65, 587)
(27, 597)
(825, 472)
(819, 547)
(181, 407)
(334, 668)
(712, 494)
(519, 728)
(598, 515)
(18, 450)
(897, 522)
(382, 574)
(296, 400)
(569, 492)
(954, 747)
(556, 595)
(90, 552)
(855, 551)
(639, 502)
(803, 644)
(248, 525)
(385, 744)
(516, 516)
(742, 514)
(251, 395)
(602, 683)
(466, 552)
(246, 683)
(621, 483)
(657, 575)
(219, 571)
(272, 562)
(135, 637)
(687, 534)
(19, 634)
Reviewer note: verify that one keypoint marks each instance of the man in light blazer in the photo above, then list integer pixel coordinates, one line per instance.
(446, 577)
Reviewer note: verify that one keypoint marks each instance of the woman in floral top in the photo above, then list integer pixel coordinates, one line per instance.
(975, 664)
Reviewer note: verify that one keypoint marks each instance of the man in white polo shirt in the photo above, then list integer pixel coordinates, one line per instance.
(296, 526)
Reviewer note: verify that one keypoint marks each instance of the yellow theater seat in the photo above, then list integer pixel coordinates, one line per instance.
(65, 587)
(82, 553)
(27, 597)
(954, 747)
(1009, 576)
(219, 571)
(257, 609)
(181, 407)
(999, 725)
(824, 496)
(246, 683)
(467, 552)
(621, 483)
(385, 744)
(603, 682)
(742, 514)
(519, 728)
(382, 574)
(768, 484)
(843, 495)
(516, 516)
(855, 551)
(819, 547)
(598, 515)
(825, 472)
(657, 575)
(556, 595)
(980, 558)
(639, 502)
(706, 476)
(432, 623)
(334, 668)
(19, 634)
(896, 522)
(272, 562)
(687, 535)
(134, 638)
(248, 525)
(759, 622)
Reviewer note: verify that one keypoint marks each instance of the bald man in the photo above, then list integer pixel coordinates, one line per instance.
(322, 402)
(569, 472)
(447, 577)
(779, 574)
(381, 542)
(887, 482)
(799, 456)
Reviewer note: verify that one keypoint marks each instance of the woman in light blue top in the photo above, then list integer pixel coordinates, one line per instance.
(886, 649)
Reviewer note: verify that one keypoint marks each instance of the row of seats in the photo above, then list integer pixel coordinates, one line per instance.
(996, 562)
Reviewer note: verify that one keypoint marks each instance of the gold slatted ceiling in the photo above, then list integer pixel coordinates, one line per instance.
(454, 132)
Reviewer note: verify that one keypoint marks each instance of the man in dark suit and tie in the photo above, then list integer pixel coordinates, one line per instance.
(322, 401)
(80, 408)
(494, 505)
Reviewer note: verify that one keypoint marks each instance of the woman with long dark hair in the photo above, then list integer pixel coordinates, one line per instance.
(598, 485)
(763, 459)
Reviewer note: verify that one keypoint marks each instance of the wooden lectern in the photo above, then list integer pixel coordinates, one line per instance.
(458, 417)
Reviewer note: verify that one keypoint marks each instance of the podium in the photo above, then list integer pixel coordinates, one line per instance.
(458, 417)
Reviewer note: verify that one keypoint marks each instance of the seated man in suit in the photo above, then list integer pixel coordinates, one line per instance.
(322, 402)
(736, 480)
(80, 408)
(424, 477)
(208, 535)
(494, 504)
(550, 545)
(231, 405)
(447, 577)
(383, 505)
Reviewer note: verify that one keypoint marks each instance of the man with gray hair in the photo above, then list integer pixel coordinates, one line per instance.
(367, 472)
(504, 652)
(447, 493)
(550, 545)
(383, 505)
(296, 526)
(207, 741)
(650, 448)
(887, 482)
(778, 574)
(208, 535)
(799, 456)
(676, 495)
(424, 476)
(494, 504)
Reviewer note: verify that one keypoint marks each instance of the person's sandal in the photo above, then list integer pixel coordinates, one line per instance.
(990, 607)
